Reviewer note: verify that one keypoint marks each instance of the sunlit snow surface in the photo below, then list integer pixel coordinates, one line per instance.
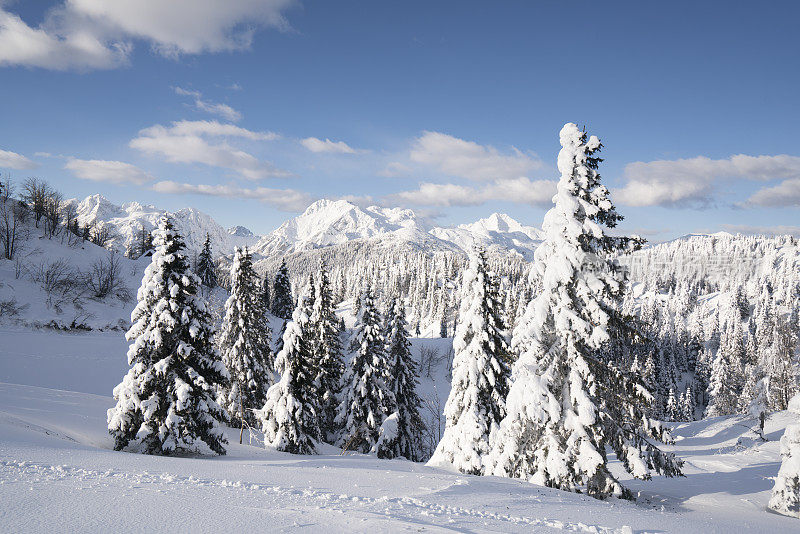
(58, 472)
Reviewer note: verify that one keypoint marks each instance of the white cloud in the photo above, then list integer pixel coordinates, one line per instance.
(692, 182)
(115, 172)
(185, 142)
(517, 190)
(12, 160)
(282, 199)
(318, 145)
(467, 159)
(785, 194)
(763, 230)
(223, 110)
(64, 41)
(97, 34)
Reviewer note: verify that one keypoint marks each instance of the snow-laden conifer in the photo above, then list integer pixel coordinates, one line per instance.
(786, 492)
(282, 301)
(366, 397)
(476, 403)
(206, 270)
(245, 342)
(329, 363)
(568, 405)
(166, 402)
(290, 416)
(403, 381)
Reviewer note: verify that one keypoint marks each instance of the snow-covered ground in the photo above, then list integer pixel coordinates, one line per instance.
(58, 472)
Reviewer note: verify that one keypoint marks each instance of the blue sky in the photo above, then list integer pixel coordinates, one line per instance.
(250, 109)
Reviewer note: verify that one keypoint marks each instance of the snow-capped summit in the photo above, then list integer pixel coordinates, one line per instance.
(495, 233)
(240, 231)
(333, 222)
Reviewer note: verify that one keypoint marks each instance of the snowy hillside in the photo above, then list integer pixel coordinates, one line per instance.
(56, 458)
(127, 221)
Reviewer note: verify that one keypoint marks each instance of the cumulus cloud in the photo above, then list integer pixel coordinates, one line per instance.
(12, 160)
(115, 172)
(467, 159)
(333, 147)
(517, 190)
(281, 199)
(223, 110)
(187, 142)
(97, 34)
(692, 182)
(785, 194)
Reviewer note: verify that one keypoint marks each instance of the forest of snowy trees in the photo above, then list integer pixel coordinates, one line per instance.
(556, 364)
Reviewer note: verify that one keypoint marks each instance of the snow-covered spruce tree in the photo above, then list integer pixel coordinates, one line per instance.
(786, 493)
(567, 404)
(290, 416)
(328, 360)
(282, 301)
(476, 403)
(206, 270)
(166, 401)
(245, 342)
(366, 397)
(403, 380)
(727, 372)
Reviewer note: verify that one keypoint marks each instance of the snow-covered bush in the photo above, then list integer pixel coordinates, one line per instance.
(786, 493)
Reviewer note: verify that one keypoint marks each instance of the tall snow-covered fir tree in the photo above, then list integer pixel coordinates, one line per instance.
(290, 416)
(245, 342)
(480, 382)
(366, 396)
(166, 403)
(282, 301)
(205, 265)
(786, 492)
(727, 372)
(327, 349)
(567, 404)
(403, 381)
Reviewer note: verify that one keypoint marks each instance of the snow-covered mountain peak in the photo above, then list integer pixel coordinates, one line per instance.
(240, 231)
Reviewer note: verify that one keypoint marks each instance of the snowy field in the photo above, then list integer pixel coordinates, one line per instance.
(58, 472)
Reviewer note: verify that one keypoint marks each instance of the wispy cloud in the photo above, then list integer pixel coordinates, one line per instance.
(693, 182)
(327, 146)
(283, 199)
(223, 110)
(467, 159)
(115, 172)
(12, 160)
(517, 190)
(187, 142)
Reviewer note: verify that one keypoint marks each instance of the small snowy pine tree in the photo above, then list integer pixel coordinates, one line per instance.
(245, 342)
(206, 270)
(290, 416)
(282, 301)
(329, 363)
(403, 381)
(366, 397)
(165, 403)
(476, 404)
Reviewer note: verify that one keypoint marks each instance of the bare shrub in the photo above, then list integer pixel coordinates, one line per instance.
(58, 279)
(10, 307)
(104, 278)
(101, 235)
(429, 359)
